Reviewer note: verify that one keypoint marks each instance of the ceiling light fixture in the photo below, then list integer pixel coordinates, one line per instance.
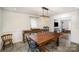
(44, 17)
(45, 12)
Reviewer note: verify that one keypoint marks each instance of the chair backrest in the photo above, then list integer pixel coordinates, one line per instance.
(28, 39)
(6, 37)
(31, 43)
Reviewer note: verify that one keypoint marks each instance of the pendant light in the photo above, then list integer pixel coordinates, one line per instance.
(44, 16)
(45, 12)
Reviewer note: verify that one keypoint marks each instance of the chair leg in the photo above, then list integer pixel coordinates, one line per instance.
(3, 47)
(12, 44)
(28, 49)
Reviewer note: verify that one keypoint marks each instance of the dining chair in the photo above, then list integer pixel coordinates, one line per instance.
(32, 45)
(7, 40)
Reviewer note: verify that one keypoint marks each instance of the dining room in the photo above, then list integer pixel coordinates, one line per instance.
(38, 29)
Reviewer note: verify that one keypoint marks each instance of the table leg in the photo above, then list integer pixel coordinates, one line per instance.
(23, 37)
(57, 42)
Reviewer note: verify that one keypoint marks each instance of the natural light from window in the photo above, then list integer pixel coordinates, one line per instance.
(33, 23)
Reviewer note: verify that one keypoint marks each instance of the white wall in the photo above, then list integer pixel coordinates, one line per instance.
(75, 27)
(51, 24)
(15, 23)
(0, 22)
(0, 27)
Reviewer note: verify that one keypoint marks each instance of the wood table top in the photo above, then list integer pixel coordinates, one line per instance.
(43, 38)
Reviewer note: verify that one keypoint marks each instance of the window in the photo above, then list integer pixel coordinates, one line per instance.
(33, 22)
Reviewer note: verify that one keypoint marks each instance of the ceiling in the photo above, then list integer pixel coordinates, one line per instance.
(38, 10)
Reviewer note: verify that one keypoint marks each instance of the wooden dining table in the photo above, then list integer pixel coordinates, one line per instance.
(44, 38)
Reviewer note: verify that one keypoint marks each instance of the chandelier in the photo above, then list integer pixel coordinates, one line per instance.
(44, 16)
(45, 12)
